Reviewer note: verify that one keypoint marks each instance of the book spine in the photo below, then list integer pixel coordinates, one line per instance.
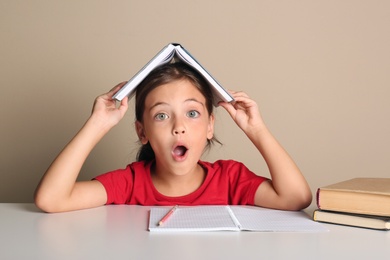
(318, 198)
(234, 218)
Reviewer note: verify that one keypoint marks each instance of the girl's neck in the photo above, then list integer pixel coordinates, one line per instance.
(175, 185)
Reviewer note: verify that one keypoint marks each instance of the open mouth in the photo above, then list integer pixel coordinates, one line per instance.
(180, 150)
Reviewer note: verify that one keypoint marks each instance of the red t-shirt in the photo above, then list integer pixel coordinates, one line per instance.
(227, 182)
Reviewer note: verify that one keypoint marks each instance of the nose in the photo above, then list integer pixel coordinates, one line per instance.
(178, 131)
(178, 128)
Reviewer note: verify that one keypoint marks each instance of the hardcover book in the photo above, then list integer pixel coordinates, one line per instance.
(370, 196)
(354, 220)
(170, 53)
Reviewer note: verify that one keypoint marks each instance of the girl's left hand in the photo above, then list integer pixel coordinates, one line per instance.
(244, 111)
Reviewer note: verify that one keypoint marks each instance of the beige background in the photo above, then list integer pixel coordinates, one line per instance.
(318, 69)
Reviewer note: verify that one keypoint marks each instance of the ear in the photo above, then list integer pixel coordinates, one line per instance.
(210, 128)
(139, 128)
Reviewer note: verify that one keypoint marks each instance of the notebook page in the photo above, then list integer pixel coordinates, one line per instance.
(261, 219)
(197, 218)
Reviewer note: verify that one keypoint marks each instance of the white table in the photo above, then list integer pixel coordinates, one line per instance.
(120, 232)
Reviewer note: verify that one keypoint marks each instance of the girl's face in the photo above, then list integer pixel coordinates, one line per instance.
(177, 125)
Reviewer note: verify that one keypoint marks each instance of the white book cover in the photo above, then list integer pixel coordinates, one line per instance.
(164, 56)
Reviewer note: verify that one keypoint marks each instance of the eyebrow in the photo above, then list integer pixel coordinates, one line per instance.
(158, 104)
(194, 100)
(167, 104)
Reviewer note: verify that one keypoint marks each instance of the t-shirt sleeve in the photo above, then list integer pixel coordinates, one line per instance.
(243, 184)
(118, 185)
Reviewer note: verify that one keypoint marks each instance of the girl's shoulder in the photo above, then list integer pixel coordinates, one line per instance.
(223, 165)
(131, 168)
(232, 170)
(140, 166)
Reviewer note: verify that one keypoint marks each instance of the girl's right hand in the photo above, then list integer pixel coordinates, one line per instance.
(59, 190)
(105, 110)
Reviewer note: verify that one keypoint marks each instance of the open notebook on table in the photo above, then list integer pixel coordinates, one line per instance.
(232, 218)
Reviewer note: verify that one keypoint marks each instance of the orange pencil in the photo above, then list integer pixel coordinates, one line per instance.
(170, 212)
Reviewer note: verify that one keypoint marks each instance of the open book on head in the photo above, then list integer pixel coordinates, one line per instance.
(167, 54)
(231, 218)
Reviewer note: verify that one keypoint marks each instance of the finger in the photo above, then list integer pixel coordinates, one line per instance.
(238, 93)
(117, 87)
(244, 100)
(241, 97)
(229, 108)
(124, 104)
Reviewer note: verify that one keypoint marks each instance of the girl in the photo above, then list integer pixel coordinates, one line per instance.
(174, 123)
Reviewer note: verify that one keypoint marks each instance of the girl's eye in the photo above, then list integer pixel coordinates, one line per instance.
(193, 114)
(161, 116)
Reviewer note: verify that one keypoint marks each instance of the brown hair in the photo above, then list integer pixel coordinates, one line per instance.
(163, 75)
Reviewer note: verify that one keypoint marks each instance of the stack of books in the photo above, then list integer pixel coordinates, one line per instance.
(359, 202)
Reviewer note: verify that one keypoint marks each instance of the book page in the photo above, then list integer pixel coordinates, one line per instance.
(164, 56)
(220, 94)
(197, 218)
(234, 218)
(270, 220)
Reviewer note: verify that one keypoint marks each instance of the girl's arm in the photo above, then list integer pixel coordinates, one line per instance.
(288, 189)
(58, 190)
